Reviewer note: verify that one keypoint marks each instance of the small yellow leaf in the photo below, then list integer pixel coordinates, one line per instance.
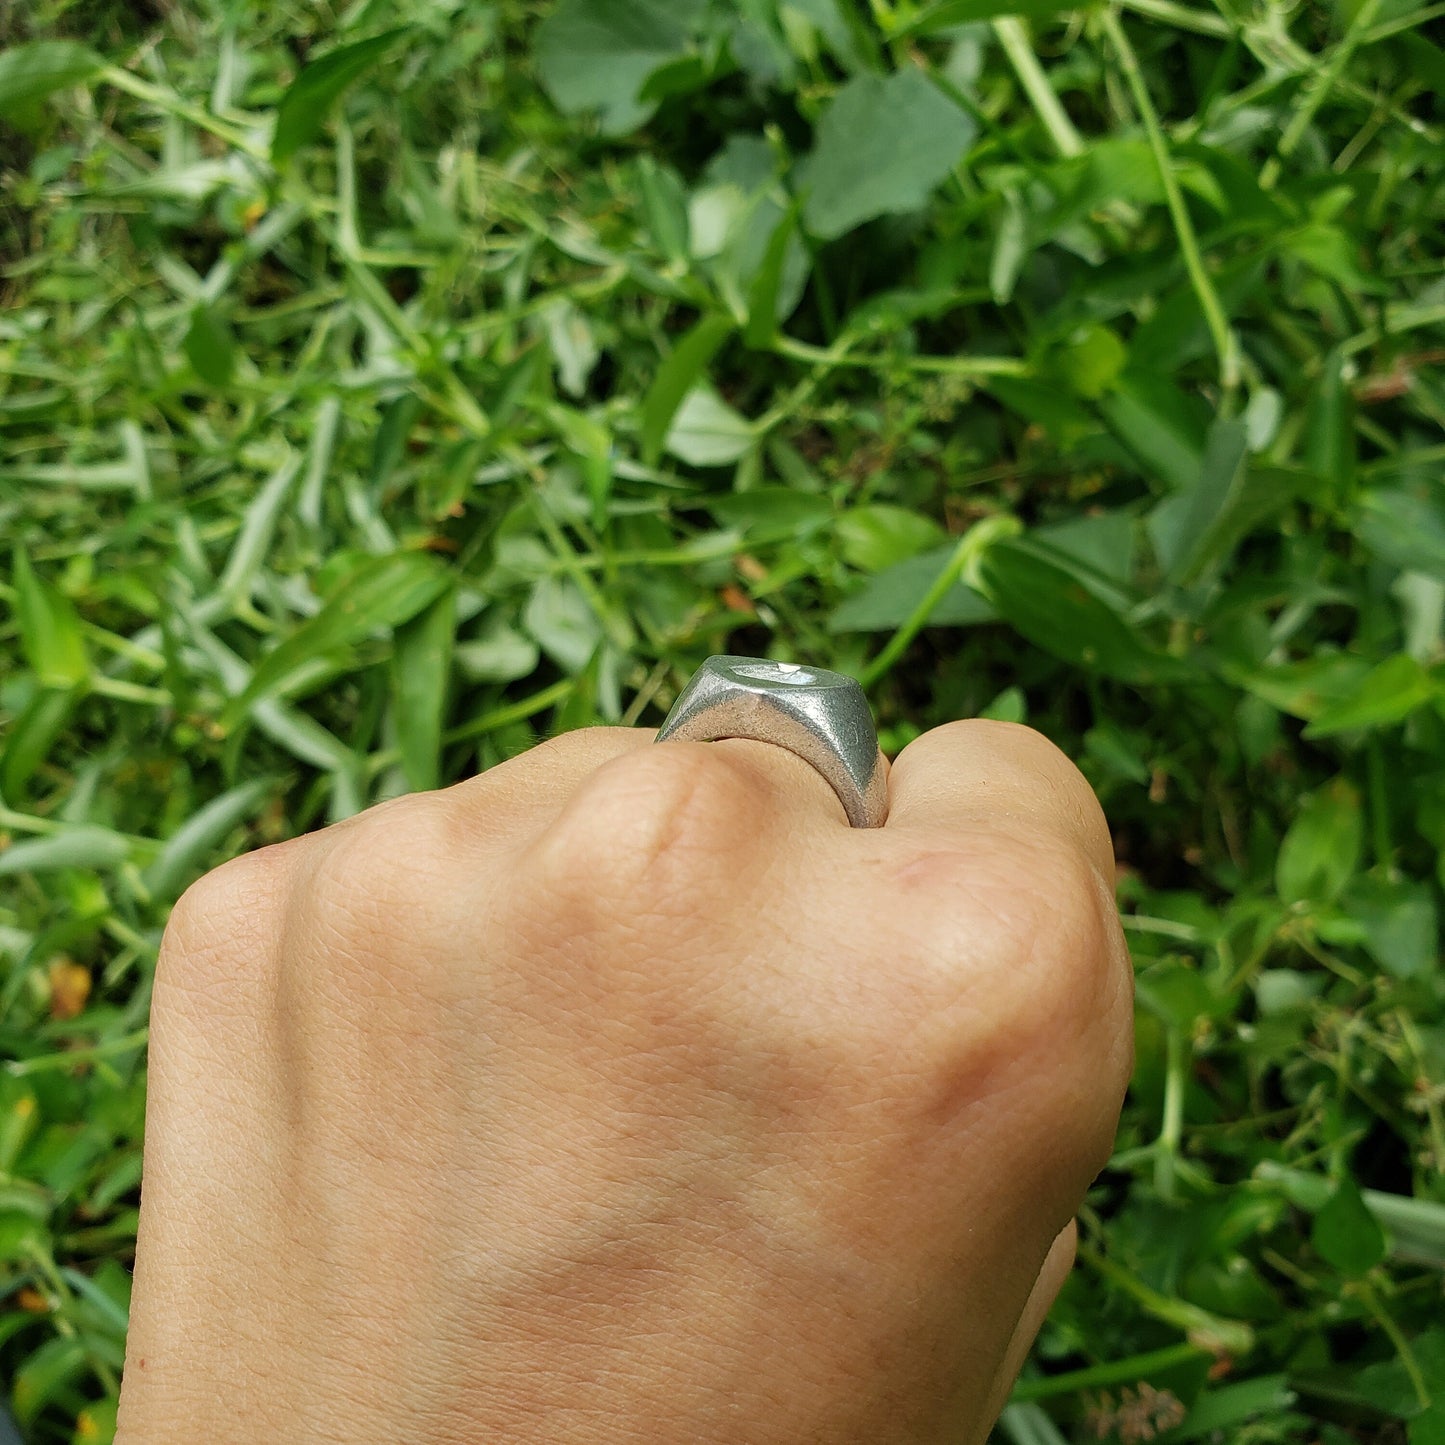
(69, 988)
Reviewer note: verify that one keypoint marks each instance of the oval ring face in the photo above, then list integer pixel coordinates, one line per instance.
(786, 673)
(821, 716)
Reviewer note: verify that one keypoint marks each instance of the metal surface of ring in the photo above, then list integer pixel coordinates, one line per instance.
(821, 716)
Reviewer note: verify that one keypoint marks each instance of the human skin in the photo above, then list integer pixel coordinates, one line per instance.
(625, 1093)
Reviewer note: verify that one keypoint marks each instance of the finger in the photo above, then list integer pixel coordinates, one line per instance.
(1056, 1267)
(978, 775)
(793, 786)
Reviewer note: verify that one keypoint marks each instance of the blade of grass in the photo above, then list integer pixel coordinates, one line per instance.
(972, 545)
(1226, 344)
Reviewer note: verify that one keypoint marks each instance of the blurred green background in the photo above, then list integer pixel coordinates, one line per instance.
(384, 386)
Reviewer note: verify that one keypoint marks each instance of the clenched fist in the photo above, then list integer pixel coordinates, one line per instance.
(625, 1093)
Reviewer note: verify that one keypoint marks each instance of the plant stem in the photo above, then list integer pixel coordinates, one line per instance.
(1111, 1372)
(1325, 82)
(1210, 1333)
(174, 105)
(1396, 1336)
(1171, 1130)
(1013, 36)
(44, 1063)
(970, 547)
(1226, 344)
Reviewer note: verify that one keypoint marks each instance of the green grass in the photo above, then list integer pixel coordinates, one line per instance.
(1079, 367)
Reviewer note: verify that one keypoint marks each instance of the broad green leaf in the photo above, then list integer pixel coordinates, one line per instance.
(50, 631)
(28, 73)
(1218, 1413)
(681, 76)
(882, 145)
(82, 845)
(211, 347)
(574, 347)
(1429, 1428)
(1026, 1423)
(1389, 1387)
(878, 534)
(383, 592)
(422, 665)
(499, 653)
(599, 54)
(1046, 404)
(1330, 427)
(888, 599)
(1177, 332)
(676, 377)
(772, 513)
(1406, 526)
(19, 1119)
(1047, 600)
(1116, 752)
(766, 301)
(1009, 706)
(32, 735)
(1160, 425)
(564, 626)
(1103, 542)
(1178, 993)
(304, 107)
(1415, 1227)
(96, 1423)
(1321, 851)
(665, 205)
(580, 709)
(1010, 249)
(53, 1368)
(741, 223)
(1091, 361)
(1334, 254)
(389, 446)
(1399, 922)
(1286, 990)
(1346, 1234)
(257, 531)
(1302, 689)
(1114, 168)
(707, 432)
(836, 23)
(1426, 61)
(1386, 696)
(1190, 528)
(590, 440)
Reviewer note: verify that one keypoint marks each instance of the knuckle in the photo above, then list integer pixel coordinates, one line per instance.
(1064, 958)
(1021, 992)
(382, 864)
(1070, 1019)
(220, 925)
(654, 820)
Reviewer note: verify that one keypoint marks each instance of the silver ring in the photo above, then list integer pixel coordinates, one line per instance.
(821, 716)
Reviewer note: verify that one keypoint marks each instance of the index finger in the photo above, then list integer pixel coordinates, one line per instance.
(975, 773)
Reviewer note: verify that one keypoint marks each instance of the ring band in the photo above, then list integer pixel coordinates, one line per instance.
(821, 716)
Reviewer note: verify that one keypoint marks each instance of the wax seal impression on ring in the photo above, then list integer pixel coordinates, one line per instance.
(821, 716)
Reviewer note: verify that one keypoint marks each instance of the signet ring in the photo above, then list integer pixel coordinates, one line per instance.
(821, 716)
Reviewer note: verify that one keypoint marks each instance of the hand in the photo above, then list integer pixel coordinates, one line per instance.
(625, 1093)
